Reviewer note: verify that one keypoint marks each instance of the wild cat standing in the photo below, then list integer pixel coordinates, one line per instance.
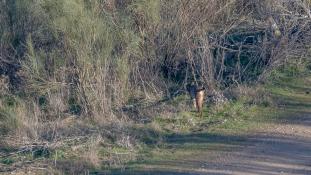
(196, 93)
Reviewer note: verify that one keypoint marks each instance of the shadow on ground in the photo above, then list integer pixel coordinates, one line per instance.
(257, 154)
(283, 150)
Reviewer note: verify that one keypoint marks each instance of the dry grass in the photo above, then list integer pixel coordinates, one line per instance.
(79, 76)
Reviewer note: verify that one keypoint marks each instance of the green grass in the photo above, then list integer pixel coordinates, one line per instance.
(183, 135)
(186, 135)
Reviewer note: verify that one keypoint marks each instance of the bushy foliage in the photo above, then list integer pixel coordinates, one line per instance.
(99, 59)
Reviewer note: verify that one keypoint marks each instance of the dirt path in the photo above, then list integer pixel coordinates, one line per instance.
(281, 148)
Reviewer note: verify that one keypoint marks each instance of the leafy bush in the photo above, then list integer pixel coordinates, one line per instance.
(101, 61)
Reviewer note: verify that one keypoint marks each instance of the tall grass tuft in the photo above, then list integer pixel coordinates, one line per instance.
(102, 62)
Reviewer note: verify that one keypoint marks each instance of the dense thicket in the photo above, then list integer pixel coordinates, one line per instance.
(90, 58)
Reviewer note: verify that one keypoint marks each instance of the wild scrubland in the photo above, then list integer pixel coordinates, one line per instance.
(91, 84)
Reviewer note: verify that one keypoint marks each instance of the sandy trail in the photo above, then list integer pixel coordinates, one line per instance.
(280, 148)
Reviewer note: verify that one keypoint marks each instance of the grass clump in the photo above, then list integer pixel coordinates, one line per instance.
(105, 79)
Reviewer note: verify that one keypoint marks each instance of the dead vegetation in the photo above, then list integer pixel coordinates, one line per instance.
(77, 75)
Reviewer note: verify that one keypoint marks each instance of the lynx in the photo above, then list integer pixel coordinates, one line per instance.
(197, 96)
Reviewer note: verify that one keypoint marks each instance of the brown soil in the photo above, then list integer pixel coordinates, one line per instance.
(279, 148)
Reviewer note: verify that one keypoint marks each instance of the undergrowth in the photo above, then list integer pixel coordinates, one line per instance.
(92, 85)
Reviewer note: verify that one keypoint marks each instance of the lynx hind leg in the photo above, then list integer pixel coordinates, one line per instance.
(200, 101)
(200, 111)
(199, 107)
